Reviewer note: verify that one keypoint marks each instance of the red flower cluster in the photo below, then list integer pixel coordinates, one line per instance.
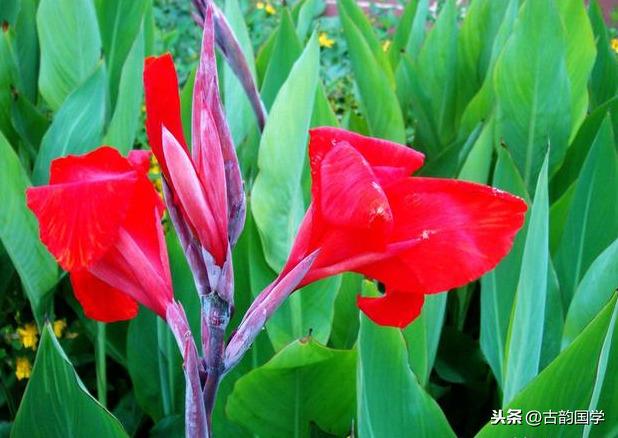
(101, 219)
(415, 235)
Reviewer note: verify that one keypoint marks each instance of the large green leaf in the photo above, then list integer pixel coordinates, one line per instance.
(56, 403)
(604, 76)
(402, 33)
(125, 121)
(592, 223)
(390, 401)
(475, 45)
(277, 199)
(525, 335)
(534, 109)
(27, 48)
(580, 55)
(423, 335)
(583, 377)
(70, 47)
(345, 320)
(433, 87)
(593, 292)
(77, 127)
(354, 13)
(286, 49)
(238, 111)
(378, 98)
(119, 22)
(19, 233)
(482, 104)
(304, 383)
(9, 78)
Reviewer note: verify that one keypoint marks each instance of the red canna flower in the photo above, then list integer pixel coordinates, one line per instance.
(415, 235)
(101, 219)
(206, 184)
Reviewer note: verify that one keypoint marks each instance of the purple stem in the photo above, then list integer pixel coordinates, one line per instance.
(267, 302)
(230, 47)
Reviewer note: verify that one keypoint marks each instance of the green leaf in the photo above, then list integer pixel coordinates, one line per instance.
(345, 320)
(286, 50)
(119, 22)
(238, 111)
(9, 80)
(125, 121)
(593, 292)
(525, 336)
(482, 104)
(579, 148)
(70, 47)
(310, 10)
(580, 56)
(580, 378)
(27, 48)
(304, 383)
(9, 11)
(604, 76)
(477, 166)
(378, 99)
(534, 108)
(20, 236)
(278, 204)
(476, 46)
(402, 33)
(592, 222)
(56, 403)
(354, 13)
(390, 401)
(306, 312)
(29, 122)
(77, 127)
(423, 335)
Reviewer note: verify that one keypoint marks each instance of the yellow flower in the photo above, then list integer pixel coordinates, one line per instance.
(270, 10)
(386, 45)
(260, 5)
(23, 368)
(28, 335)
(59, 326)
(615, 44)
(325, 41)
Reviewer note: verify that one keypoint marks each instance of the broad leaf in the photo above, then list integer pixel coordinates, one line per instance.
(20, 234)
(70, 47)
(56, 403)
(304, 383)
(77, 127)
(525, 338)
(592, 223)
(390, 401)
(277, 201)
(534, 109)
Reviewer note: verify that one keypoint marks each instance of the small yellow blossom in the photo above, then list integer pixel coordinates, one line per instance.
(615, 44)
(260, 5)
(386, 45)
(23, 368)
(28, 335)
(59, 326)
(325, 41)
(270, 10)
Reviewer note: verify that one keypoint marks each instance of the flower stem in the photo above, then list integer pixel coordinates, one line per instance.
(164, 368)
(100, 356)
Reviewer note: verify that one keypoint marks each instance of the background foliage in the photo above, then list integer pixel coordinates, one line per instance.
(518, 94)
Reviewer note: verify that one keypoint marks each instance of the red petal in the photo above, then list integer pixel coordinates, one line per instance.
(376, 151)
(394, 309)
(101, 301)
(140, 160)
(207, 142)
(80, 212)
(459, 230)
(193, 200)
(162, 104)
(349, 193)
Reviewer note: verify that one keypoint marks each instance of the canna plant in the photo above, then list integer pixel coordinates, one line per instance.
(100, 217)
